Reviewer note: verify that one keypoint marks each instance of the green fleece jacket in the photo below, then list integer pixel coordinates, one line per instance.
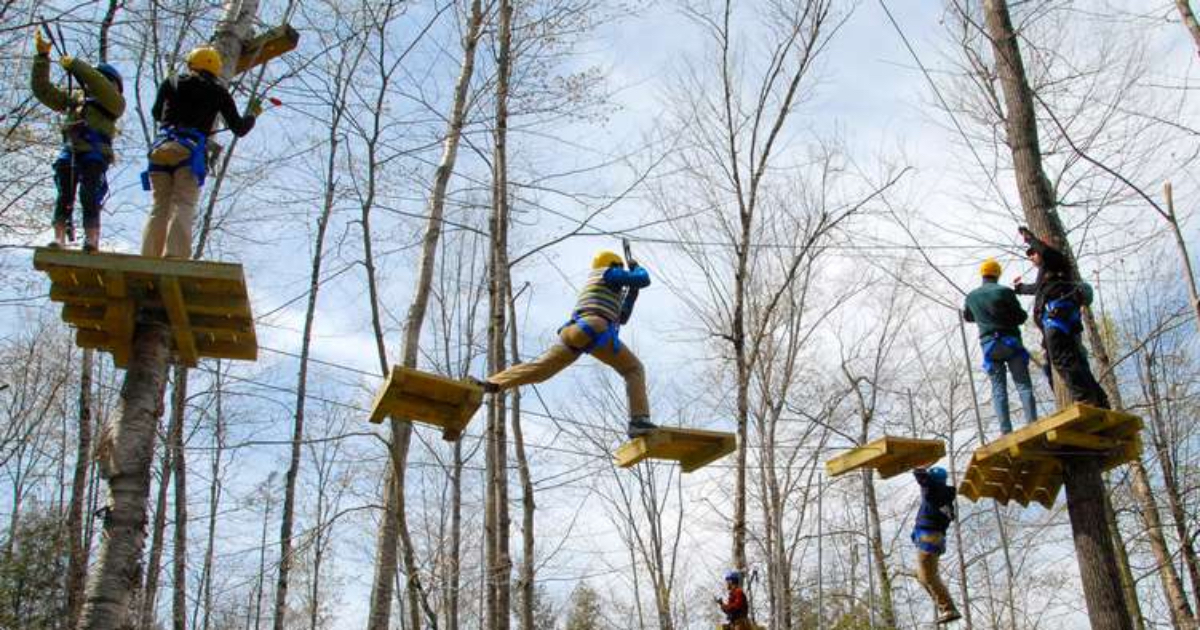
(995, 309)
(98, 104)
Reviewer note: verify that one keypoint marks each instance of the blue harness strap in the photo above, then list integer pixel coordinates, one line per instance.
(596, 340)
(95, 140)
(929, 540)
(195, 141)
(1010, 341)
(1067, 320)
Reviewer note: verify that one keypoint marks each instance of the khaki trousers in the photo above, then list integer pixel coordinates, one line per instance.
(169, 230)
(928, 576)
(563, 354)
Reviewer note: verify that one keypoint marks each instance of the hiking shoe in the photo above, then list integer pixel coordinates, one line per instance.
(949, 616)
(640, 426)
(488, 387)
(90, 248)
(54, 245)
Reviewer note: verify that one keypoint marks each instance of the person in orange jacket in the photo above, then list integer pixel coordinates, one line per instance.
(736, 607)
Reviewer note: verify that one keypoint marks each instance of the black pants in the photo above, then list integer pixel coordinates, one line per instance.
(1066, 355)
(89, 176)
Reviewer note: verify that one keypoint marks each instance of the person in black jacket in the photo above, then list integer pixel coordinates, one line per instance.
(186, 109)
(1056, 311)
(929, 535)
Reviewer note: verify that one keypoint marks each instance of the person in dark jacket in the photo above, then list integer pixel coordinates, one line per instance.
(1057, 300)
(736, 607)
(936, 513)
(603, 305)
(90, 122)
(994, 308)
(186, 109)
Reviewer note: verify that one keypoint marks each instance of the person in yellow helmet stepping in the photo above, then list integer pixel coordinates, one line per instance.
(994, 308)
(186, 109)
(604, 303)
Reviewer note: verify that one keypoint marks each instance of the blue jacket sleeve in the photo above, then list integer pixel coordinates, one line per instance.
(636, 278)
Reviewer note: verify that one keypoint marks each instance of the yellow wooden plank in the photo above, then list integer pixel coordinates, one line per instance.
(378, 405)
(267, 46)
(633, 452)
(854, 459)
(889, 455)
(45, 258)
(712, 453)
(181, 329)
(1067, 437)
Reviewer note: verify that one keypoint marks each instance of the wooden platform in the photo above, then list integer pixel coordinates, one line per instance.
(267, 46)
(412, 395)
(104, 294)
(888, 455)
(692, 448)
(1025, 466)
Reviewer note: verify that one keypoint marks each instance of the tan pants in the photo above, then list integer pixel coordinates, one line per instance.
(928, 576)
(561, 355)
(169, 230)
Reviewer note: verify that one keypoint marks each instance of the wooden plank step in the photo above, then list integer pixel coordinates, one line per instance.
(1026, 465)
(267, 46)
(414, 396)
(105, 294)
(889, 455)
(692, 448)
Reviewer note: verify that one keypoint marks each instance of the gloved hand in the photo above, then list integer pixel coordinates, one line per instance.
(633, 265)
(1026, 235)
(40, 44)
(65, 61)
(717, 601)
(255, 107)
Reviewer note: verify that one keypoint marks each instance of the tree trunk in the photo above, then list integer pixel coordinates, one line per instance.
(179, 461)
(887, 609)
(148, 613)
(1128, 583)
(1189, 20)
(314, 285)
(1101, 583)
(77, 561)
(1175, 499)
(1189, 275)
(496, 522)
(393, 525)
(126, 452)
(214, 503)
(525, 583)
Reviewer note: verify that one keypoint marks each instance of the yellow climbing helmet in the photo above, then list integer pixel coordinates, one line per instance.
(990, 268)
(205, 59)
(605, 259)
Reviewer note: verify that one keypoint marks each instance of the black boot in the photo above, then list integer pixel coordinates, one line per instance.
(640, 426)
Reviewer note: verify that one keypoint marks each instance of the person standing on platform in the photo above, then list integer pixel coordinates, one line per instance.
(994, 308)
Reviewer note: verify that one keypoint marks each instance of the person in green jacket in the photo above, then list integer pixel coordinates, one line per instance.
(90, 122)
(994, 308)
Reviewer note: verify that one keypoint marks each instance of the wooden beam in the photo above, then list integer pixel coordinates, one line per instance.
(267, 46)
(181, 330)
(1067, 437)
(853, 459)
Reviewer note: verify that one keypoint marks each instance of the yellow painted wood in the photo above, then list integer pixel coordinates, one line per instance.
(267, 46)
(889, 455)
(692, 448)
(104, 294)
(1026, 465)
(413, 396)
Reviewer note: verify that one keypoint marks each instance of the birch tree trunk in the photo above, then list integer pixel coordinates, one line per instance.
(179, 463)
(126, 452)
(148, 613)
(78, 558)
(127, 446)
(525, 583)
(286, 524)
(1189, 21)
(394, 527)
(499, 565)
(1189, 275)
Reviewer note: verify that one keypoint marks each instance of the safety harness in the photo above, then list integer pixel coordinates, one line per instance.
(1062, 315)
(929, 533)
(194, 140)
(96, 141)
(596, 339)
(1010, 341)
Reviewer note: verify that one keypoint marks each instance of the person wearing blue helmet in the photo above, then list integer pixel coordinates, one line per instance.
(736, 607)
(89, 124)
(929, 535)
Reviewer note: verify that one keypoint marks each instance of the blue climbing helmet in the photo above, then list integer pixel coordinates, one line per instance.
(734, 576)
(110, 72)
(938, 475)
